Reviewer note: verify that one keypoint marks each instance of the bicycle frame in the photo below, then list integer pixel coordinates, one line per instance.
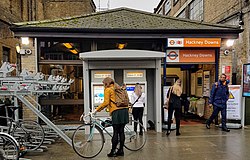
(94, 121)
(94, 128)
(12, 124)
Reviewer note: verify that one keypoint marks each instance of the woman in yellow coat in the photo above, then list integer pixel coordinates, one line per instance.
(120, 116)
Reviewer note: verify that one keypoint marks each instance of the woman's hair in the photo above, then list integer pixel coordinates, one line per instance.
(177, 88)
(108, 81)
(138, 89)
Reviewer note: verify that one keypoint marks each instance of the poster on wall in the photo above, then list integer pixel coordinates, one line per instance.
(246, 80)
(98, 94)
(165, 92)
(206, 83)
(234, 102)
(226, 70)
(199, 84)
(193, 82)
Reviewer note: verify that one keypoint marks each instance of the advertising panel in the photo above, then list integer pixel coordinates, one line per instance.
(246, 80)
(98, 91)
(234, 102)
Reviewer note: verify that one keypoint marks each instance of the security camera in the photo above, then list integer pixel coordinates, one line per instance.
(241, 22)
(226, 52)
(28, 51)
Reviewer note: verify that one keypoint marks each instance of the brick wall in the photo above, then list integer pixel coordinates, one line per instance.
(65, 8)
(7, 41)
(13, 7)
(225, 60)
(29, 63)
(216, 10)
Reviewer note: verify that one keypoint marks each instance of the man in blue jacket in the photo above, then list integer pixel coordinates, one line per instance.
(218, 99)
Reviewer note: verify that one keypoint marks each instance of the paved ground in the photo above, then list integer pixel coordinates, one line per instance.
(195, 143)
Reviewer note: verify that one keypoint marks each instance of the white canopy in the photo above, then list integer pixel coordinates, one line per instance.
(121, 55)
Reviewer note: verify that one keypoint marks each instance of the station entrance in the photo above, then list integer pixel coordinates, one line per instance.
(197, 80)
(197, 68)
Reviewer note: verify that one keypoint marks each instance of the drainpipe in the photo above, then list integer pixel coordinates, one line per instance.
(217, 58)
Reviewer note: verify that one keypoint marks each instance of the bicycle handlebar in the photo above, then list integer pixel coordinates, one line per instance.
(90, 114)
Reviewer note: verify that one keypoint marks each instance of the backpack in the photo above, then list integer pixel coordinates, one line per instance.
(216, 88)
(121, 97)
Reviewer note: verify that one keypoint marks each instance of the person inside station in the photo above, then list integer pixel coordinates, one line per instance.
(174, 106)
(218, 99)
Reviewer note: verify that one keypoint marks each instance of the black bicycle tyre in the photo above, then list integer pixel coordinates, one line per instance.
(132, 137)
(8, 138)
(80, 131)
(38, 129)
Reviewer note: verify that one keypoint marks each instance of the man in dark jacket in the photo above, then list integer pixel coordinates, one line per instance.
(218, 99)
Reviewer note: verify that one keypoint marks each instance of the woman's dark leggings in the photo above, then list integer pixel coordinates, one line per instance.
(137, 114)
(118, 134)
(177, 115)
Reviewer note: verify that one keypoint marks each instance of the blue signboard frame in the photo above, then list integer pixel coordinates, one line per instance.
(246, 80)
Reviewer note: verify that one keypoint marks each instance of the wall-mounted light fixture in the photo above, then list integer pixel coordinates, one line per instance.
(25, 40)
(18, 48)
(230, 42)
(241, 22)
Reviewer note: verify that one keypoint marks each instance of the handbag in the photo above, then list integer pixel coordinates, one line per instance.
(168, 99)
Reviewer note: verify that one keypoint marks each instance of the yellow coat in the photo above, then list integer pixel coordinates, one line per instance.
(109, 94)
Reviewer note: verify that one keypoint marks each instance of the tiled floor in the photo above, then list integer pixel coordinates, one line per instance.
(195, 143)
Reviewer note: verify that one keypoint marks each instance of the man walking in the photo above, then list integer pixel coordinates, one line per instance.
(218, 99)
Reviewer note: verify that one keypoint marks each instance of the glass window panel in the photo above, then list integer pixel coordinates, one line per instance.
(182, 14)
(167, 6)
(196, 10)
(67, 106)
(62, 50)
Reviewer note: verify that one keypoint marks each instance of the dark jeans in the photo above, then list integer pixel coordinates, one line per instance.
(223, 111)
(138, 114)
(177, 115)
(118, 134)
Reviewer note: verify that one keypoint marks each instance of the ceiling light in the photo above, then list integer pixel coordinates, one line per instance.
(74, 51)
(121, 45)
(68, 45)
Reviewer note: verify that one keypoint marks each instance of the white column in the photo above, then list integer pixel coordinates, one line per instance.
(86, 87)
(157, 106)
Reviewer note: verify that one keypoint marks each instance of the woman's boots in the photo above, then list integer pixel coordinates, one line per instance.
(112, 153)
(168, 132)
(120, 152)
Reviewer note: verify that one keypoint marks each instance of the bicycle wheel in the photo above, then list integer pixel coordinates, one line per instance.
(29, 134)
(88, 141)
(134, 141)
(9, 148)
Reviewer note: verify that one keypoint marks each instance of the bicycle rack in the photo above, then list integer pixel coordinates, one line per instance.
(28, 85)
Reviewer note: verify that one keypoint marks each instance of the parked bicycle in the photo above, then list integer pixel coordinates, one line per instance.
(9, 148)
(29, 134)
(89, 138)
